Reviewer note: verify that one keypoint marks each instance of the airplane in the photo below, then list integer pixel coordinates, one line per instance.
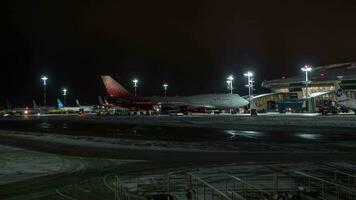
(101, 102)
(108, 108)
(41, 109)
(9, 110)
(342, 100)
(124, 98)
(85, 108)
(75, 109)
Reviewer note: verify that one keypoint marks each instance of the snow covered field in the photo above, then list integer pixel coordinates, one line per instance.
(18, 164)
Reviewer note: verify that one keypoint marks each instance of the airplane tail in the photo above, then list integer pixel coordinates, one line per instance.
(106, 102)
(60, 104)
(77, 103)
(8, 104)
(113, 88)
(101, 102)
(35, 106)
(338, 92)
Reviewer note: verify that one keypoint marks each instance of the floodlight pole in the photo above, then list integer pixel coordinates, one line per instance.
(229, 81)
(65, 96)
(44, 96)
(231, 89)
(249, 76)
(44, 79)
(307, 69)
(135, 81)
(165, 86)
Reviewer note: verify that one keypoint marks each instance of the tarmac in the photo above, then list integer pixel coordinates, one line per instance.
(76, 157)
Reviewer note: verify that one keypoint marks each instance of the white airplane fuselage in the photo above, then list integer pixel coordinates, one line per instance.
(77, 109)
(342, 100)
(347, 103)
(216, 101)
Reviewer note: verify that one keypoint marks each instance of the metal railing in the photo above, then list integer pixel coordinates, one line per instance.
(229, 187)
(241, 189)
(203, 190)
(324, 189)
(346, 179)
(121, 192)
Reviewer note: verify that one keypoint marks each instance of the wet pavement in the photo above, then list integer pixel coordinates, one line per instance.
(184, 134)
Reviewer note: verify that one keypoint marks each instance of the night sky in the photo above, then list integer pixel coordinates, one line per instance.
(192, 45)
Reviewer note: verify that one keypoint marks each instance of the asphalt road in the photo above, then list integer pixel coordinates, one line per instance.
(278, 144)
(237, 143)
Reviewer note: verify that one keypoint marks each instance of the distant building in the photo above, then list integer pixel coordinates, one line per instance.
(320, 88)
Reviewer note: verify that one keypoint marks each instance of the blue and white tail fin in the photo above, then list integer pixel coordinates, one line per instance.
(339, 93)
(60, 104)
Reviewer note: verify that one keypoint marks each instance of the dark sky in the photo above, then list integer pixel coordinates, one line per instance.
(192, 45)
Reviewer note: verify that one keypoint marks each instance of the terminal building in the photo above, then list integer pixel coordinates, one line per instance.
(291, 93)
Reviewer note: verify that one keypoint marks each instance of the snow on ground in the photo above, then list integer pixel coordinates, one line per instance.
(18, 164)
(109, 142)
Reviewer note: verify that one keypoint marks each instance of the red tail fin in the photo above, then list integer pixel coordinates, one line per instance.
(113, 88)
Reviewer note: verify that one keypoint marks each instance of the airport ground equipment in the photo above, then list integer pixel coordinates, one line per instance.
(293, 105)
(328, 107)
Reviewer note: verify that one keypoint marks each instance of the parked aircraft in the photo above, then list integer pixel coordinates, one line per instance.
(122, 97)
(41, 109)
(75, 109)
(110, 108)
(344, 101)
(9, 110)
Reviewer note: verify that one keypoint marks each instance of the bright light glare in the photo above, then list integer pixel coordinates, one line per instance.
(44, 79)
(306, 68)
(135, 81)
(309, 136)
(248, 74)
(230, 77)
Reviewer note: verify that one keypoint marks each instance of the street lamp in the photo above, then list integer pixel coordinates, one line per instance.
(250, 82)
(165, 87)
(135, 81)
(44, 79)
(230, 78)
(306, 69)
(65, 96)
